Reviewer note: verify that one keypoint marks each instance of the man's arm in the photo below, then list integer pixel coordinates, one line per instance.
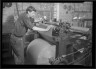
(29, 24)
(41, 29)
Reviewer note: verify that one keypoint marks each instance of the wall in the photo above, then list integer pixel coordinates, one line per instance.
(42, 8)
(67, 11)
(22, 7)
(64, 13)
(7, 21)
(83, 12)
(7, 12)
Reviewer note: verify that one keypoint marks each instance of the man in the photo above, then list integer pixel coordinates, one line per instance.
(22, 24)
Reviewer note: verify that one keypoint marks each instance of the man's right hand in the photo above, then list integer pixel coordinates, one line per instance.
(50, 26)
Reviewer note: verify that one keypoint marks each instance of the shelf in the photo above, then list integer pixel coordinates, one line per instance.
(82, 12)
(84, 19)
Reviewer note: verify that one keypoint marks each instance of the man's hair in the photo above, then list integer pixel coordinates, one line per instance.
(30, 9)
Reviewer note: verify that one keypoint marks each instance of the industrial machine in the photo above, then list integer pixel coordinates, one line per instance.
(60, 46)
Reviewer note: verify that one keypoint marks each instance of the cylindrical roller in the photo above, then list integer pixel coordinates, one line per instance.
(38, 52)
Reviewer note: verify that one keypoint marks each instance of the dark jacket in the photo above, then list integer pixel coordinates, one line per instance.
(22, 24)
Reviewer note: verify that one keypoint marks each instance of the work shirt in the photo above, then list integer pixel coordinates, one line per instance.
(22, 24)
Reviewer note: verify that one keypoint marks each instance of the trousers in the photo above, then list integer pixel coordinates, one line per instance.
(18, 49)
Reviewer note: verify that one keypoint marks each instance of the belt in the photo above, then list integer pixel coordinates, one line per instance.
(17, 36)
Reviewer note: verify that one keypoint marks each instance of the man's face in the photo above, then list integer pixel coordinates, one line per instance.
(32, 14)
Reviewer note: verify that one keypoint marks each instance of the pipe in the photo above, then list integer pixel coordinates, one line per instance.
(17, 9)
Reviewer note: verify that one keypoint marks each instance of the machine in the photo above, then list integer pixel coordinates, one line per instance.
(60, 46)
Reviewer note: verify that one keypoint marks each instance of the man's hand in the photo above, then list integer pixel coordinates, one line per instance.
(51, 26)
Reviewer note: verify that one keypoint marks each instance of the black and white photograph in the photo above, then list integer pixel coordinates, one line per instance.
(41, 33)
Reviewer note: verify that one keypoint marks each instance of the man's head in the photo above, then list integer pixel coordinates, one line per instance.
(31, 11)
